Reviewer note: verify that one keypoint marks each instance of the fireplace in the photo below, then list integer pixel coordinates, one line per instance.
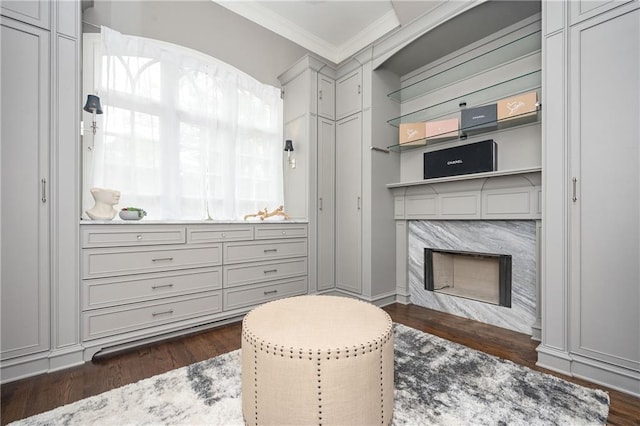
(484, 277)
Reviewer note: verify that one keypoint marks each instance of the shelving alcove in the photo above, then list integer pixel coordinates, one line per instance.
(505, 67)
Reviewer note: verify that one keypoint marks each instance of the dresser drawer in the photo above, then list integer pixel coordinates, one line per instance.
(98, 263)
(111, 321)
(252, 251)
(242, 274)
(241, 297)
(124, 235)
(107, 292)
(267, 231)
(216, 234)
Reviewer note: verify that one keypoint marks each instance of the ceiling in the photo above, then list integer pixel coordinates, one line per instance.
(333, 29)
(337, 29)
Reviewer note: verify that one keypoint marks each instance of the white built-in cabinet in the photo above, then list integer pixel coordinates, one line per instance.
(591, 178)
(25, 189)
(326, 203)
(33, 12)
(349, 94)
(151, 280)
(326, 97)
(40, 182)
(348, 228)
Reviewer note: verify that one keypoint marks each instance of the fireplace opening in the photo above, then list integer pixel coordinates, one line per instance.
(484, 277)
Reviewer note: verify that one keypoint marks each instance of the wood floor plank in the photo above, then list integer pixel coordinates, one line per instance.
(37, 394)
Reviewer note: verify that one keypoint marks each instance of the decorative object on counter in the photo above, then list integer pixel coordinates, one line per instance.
(288, 147)
(93, 106)
(105, 200)
(413, 134)
(263, 214)
(132, 213)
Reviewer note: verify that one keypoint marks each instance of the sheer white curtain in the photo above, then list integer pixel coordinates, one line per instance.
(185, 136)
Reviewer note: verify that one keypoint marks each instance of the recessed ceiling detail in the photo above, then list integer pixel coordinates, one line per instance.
(334, 30)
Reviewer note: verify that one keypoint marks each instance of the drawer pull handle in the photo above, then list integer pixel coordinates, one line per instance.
(270, 292)
(155, 287)
(270, 250)
(139, 237)
(157, 314)
(160, 259)
(270, 271)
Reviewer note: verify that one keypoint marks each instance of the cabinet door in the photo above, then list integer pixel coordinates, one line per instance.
(326, 203)
(349, 94)
(326, 97)
(34, 12)
(349, 203)
(25, 205)
(605, 216)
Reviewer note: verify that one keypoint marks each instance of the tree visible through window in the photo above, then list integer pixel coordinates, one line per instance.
(183, 135)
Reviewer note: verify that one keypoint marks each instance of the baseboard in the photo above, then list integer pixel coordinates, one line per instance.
(404, 299)
(66, 357)
(554, 359)
(595, 371)
(23, 367)
(536, 331)
(614, 377)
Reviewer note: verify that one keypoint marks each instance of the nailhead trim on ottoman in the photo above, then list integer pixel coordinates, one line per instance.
(317, 360)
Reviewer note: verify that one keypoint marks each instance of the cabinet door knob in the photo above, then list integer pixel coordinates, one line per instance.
(223, 235)
(139, 237)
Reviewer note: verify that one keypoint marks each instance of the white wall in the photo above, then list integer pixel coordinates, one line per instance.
(204, 26)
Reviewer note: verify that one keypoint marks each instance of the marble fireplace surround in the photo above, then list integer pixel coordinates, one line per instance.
(494, 212)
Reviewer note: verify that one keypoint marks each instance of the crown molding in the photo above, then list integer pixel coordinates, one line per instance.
(377, 29)
(289, 30)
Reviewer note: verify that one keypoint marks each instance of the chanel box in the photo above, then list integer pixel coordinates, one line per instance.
(521, 108)
(442, 129)
(475, 157)
(412, 134)
(479, 119)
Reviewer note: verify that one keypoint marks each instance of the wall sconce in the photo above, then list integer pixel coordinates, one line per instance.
(93, 106)
(288, 147)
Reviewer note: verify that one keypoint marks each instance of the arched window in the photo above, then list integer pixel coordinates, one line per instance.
(183, 135)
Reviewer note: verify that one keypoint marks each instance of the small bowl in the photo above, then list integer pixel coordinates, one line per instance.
(132, 214)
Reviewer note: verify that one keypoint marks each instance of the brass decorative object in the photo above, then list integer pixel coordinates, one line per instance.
(263, 214)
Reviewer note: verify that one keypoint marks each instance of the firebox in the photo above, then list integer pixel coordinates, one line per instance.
(484, 277)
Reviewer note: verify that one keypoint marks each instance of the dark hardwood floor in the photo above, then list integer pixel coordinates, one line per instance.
(34, 395)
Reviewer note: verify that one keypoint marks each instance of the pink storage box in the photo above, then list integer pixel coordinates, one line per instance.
(442, 129)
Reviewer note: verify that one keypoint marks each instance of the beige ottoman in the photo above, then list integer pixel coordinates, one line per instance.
(317, 360)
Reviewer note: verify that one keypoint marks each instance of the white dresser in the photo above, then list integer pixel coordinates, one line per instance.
(146, 281)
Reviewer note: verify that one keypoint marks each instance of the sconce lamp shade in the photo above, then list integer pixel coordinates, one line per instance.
(93, 104)
(288, 145)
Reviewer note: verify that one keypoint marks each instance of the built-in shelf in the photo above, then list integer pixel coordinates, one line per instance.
(521, 84)
(507, 52)
(513, 121)
(467, 177)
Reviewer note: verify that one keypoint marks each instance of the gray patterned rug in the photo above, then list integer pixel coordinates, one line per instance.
(437, 382)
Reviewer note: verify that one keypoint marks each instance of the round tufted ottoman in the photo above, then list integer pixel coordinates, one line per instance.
(317, 360)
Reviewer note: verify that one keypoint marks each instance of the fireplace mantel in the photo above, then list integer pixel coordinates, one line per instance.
(507, 194)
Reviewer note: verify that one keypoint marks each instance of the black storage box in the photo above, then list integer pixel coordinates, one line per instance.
(475, 157)
(479, 119)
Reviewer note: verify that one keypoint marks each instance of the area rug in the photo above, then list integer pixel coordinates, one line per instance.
(437, 382)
